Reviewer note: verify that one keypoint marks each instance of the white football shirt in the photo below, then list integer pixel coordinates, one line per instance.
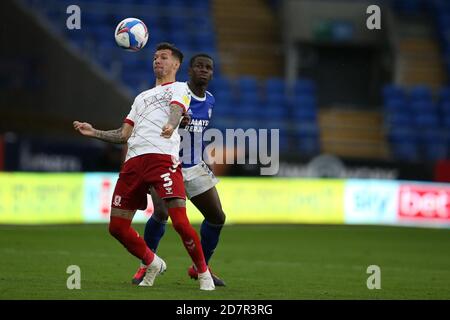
(149, 113)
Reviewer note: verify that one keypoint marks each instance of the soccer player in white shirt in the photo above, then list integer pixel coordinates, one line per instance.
(150, 130)
(199, 181)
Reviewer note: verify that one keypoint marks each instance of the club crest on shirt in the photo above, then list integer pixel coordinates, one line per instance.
(117, 200)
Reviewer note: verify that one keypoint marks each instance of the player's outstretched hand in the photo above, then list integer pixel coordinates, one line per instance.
(84, 128)
(167, 131)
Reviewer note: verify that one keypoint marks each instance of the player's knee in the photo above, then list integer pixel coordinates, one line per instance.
(217, 216)
(160, 213)
(220, 217)
(175, 203)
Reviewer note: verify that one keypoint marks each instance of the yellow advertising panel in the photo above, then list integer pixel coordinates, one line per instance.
(39, 198)
(279, 200)
(33, 198)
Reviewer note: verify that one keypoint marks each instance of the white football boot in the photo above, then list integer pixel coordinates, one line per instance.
(157, 267)
(206, 281)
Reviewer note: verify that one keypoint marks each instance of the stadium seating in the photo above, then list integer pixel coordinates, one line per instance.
(420, 93)
(416, 122)
(245, 101)
(163, 24)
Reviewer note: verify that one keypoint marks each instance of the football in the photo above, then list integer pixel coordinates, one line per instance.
(131, 34)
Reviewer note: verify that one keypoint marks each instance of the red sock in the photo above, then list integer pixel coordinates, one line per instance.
(190, 238)
(120, 228)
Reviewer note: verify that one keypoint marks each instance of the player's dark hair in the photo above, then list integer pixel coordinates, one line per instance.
(168, 46)
(199, 55)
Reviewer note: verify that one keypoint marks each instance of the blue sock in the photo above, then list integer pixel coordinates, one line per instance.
(209, 237)
(154, 230)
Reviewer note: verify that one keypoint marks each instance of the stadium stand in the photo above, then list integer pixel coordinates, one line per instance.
(251, 93)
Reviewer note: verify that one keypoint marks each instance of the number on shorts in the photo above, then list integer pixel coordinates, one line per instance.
(168, 182)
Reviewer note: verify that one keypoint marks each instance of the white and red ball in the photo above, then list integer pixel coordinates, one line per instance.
(131, 34)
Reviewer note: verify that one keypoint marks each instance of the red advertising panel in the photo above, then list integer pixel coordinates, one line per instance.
(424, 202)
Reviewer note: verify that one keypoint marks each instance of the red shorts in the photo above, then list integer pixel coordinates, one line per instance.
(139, 173)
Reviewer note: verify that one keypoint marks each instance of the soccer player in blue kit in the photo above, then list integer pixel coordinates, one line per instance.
(199, 181)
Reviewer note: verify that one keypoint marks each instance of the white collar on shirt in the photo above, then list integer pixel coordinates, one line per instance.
(195, 97)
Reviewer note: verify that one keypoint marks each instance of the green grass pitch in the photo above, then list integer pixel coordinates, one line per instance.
(257, 262)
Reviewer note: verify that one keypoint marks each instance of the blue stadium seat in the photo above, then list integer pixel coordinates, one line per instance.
(303, 101)
(420, 93)
(301, 114)
(446, 121)
(427, 120)
(150, 2)
(77, 38)
(443, 20)
(391, 91)
(306, 129)
(275, 86)
(105, 51)
(404, 144)
(284, 141)
(102, 33)
(308, 146)
(200, 5)
(222, 109)
(306, 138)
(402, 133)
(435, 151)
(247, 83)
(244, 110)
(304, 87)
(274, 110)
(444, 95)
(179, 40)
(203, 41)
(249, 97)
(405, 151)
(408, 7)
(176, 23)
(94, 19)
(131, 64)
(221, 84)
(175, 7)
(222, 96)
(275, 97)
(395, 105)
(422, 106)
(402, 119)
(156, 36)
(434, 145)
(200, 24)
(136, 82)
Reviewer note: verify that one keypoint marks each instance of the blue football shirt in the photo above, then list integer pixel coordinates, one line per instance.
(200, 111)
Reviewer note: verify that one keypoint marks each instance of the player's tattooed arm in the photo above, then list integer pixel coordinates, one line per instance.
(118, 136)
(176, 112)
(113, 136)
(175, 115)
